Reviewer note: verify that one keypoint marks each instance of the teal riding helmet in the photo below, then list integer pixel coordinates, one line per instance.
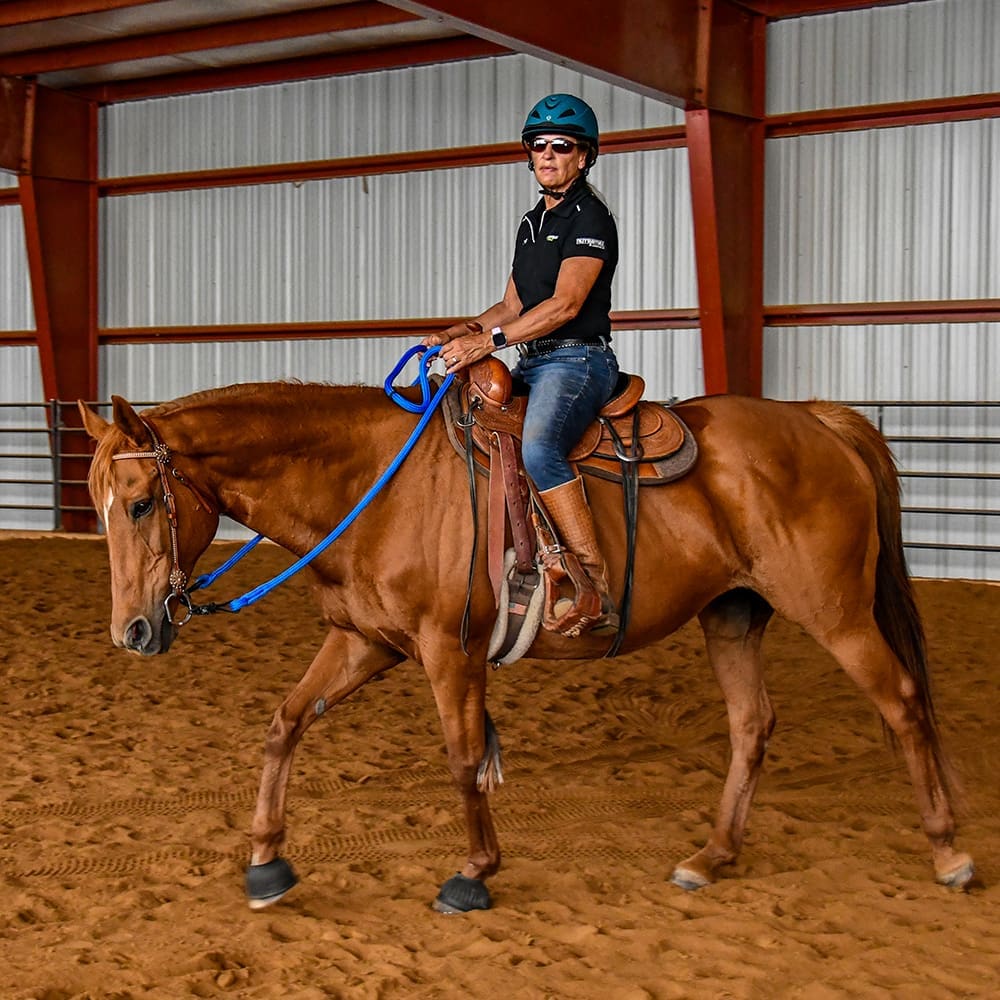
(564, 114)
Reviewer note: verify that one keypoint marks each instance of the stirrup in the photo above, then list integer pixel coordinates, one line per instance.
(572, 603)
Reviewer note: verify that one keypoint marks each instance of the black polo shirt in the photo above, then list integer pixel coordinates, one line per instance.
(581, 225)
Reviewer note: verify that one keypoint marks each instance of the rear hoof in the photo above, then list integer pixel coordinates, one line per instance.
(461, 894)
(266, 884)
(688, 879)
(960, 877)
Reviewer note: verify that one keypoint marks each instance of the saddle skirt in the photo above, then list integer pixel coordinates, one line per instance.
(665, 449)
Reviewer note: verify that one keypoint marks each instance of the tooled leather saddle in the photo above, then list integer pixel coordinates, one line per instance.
(628, 429)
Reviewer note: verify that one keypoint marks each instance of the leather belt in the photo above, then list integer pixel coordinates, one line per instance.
(536, 347)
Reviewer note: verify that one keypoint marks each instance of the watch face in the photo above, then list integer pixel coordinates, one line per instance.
(499, 337)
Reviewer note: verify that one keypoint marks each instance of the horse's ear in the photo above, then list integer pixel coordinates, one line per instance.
(94, 424)
(127, 421)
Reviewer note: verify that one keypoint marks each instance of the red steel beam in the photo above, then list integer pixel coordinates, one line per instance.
(58, 195)
(775, 9)
(638, 319)
(828, 314)
(360, 166)
(972, 107)
(30, 11)
(254, 30)
(649, 46)
(18, 338)
(285, 70)
(726, 164)
(883, 313)
(725, 156)
(14, 124)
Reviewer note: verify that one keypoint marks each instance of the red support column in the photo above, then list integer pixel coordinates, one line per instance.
(725, 155)
(58, 193)
(726, 162)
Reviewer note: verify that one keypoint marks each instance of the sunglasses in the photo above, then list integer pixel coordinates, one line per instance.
(539, 144)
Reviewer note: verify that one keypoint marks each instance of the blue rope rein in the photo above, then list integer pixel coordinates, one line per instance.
(426, 408)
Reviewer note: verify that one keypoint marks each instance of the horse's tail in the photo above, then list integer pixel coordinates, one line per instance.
(895, 610)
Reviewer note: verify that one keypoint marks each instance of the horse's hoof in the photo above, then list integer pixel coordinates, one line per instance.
(460, 894)
(266, 884)
(960, 877)
(688, 879)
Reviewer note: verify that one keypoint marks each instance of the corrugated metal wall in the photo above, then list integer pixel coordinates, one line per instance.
(898, 214)
(16, 312)
(425, 107)
(886, 215)
(434, 243)
(23, 433)
(917, 51)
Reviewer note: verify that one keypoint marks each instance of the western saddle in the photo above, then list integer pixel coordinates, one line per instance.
(633, 441)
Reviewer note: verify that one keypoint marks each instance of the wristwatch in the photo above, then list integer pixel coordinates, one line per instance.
(499, 337)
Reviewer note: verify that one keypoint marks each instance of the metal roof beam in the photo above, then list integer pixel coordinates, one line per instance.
(254, 30)
(29, 11)
(285, 70)
(686, 53)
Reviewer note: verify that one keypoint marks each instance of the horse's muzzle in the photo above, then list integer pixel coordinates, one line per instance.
(139, 636)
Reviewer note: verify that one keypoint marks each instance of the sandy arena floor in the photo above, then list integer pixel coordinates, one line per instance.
(129, 784)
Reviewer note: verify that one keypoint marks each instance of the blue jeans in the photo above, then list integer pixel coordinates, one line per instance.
(566, 389)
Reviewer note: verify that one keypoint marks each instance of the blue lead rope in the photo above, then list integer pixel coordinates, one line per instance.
(426, 407)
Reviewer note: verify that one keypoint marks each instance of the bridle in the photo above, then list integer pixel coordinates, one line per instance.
(160, 454)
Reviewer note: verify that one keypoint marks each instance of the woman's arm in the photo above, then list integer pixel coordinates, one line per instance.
(500, 314)
(576, 278)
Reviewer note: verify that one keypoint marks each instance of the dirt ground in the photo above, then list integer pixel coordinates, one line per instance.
(128, 786)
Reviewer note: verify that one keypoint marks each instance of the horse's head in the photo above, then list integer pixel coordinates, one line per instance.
(156, 527)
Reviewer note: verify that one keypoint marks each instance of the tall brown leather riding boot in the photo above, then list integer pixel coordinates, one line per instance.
(567, 506)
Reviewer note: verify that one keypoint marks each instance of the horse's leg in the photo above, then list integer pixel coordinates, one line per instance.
(460, 694)
(734, 626)
(344, 663)
(860, 648)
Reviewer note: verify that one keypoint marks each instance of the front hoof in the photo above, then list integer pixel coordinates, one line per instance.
(960, 877)
(266, 884)
(688, 879)
(461, 894)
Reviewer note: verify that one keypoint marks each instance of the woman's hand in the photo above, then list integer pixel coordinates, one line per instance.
(463, 351)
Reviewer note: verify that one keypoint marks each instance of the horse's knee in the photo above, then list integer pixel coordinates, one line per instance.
(281, 734)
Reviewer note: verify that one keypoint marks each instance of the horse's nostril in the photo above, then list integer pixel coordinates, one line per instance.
(138, 634)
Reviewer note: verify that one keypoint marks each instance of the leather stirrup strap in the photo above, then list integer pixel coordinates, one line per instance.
(470, 469)
(495, 520)
(507, 498)
(516, 490)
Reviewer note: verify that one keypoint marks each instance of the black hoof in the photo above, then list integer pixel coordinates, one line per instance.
(460, 894)
(266, 884)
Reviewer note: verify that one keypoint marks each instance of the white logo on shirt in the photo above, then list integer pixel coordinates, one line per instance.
(589, 241)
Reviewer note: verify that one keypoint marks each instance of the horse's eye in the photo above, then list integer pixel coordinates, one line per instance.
(140, 509)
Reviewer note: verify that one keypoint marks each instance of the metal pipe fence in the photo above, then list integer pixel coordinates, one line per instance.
(958, 440)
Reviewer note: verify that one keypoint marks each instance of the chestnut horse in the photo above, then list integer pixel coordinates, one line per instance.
(791, 508)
